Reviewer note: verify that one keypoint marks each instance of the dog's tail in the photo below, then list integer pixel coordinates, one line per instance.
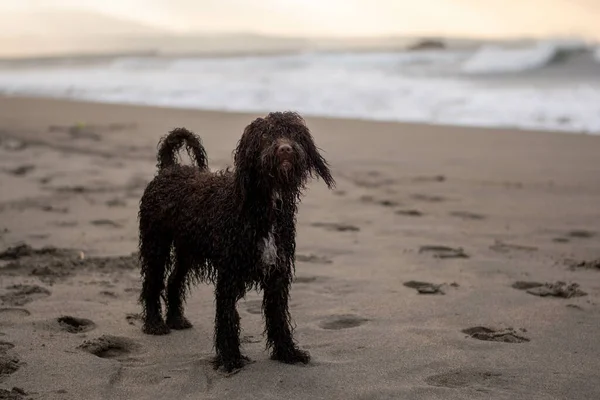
(170, 144)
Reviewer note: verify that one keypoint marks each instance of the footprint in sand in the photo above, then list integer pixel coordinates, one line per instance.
(19, 295)
(107, 346)
(410, 213)
(15, 393)
(428, 198)
(503, 247)
(6, 346)
(581, 234)
(433, 178)
(557, 289)
(254, 307)
(508, 335)
(381, 202)
(12, 314)
(428, 288)
(313, 259)
(335, 226)
(250, 339)
(48, 274)
(575, 306)
(132, 290)
(306, 279)
(345, 321)
(466, 215)
(75, 325)
(25, 250)
(9, 363)
(106, 222)
(134, 319)
(467, 378)
(444, 251)
(591, 264)
(65, 224)
(116, 202)
(21, 170)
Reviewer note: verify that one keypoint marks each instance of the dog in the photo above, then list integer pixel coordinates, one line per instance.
(235, 229)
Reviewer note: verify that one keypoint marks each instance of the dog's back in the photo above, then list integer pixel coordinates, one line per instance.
(184, 187)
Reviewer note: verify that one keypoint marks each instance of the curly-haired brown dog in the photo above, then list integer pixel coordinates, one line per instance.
(233, 228)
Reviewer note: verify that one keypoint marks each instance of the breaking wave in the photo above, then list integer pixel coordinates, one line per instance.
(493, 59)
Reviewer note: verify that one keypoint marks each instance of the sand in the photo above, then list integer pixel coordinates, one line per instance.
(416, 277)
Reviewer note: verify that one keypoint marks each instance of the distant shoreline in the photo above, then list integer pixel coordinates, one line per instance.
(236, 45)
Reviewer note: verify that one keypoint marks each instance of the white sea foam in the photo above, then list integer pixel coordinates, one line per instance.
(493, 59)
(370, 86)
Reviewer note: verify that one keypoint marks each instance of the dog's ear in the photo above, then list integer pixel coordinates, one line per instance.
(248, 148)
(246, 156)
(316, 162)
(319, 165)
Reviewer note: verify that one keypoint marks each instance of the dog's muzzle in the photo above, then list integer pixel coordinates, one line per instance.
(285, 155)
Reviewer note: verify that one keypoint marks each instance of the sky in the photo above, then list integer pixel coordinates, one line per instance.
(341, 18)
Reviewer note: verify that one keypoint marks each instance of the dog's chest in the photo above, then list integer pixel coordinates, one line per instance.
(268, 246)
(268, 249)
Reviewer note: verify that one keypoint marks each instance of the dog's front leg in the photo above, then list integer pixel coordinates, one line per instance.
(227, 324)
(277, 316)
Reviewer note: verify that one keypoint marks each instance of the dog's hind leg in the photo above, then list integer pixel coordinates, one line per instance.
(155, 258)
(176, 289)
(277, 319)
(227, 323)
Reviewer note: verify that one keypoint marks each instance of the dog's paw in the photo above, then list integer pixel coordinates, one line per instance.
(178, 323)
(155, 328)
(291, 356)
(230, 364)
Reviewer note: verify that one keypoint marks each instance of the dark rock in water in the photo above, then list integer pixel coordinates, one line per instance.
(428, 44)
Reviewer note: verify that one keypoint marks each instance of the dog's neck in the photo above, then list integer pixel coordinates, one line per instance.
(263, 198)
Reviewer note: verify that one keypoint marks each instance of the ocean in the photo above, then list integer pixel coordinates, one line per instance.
(545, 85)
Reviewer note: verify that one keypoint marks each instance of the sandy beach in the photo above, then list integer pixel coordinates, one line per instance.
(449, 263)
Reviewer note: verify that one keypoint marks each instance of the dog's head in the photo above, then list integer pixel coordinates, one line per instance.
(279, 150)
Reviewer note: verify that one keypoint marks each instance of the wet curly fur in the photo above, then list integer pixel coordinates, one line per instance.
(234, 228)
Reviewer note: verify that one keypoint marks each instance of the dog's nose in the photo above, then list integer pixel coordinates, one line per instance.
(284, 150)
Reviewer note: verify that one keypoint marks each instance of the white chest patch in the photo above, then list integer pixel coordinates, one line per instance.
(269, 250)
